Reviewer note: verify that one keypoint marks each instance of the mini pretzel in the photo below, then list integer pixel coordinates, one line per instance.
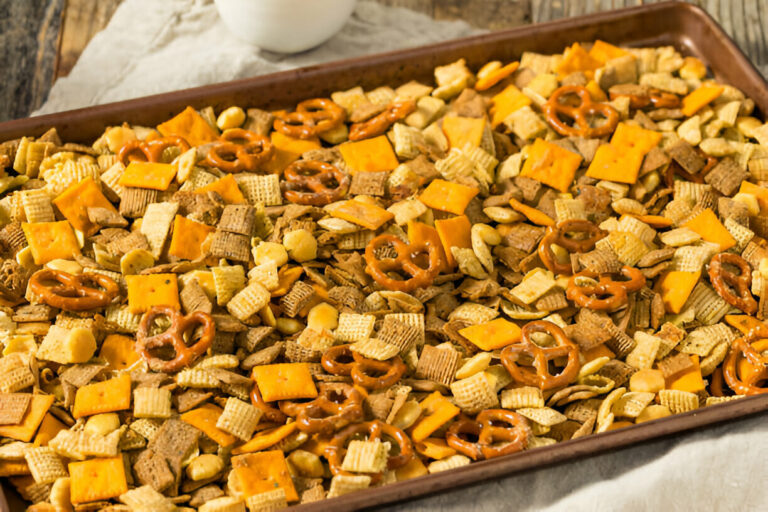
(310, 118)
(174, 336)
(557, 235)
(489, 434)
(270, 413)
(360, 367)
(336, 406)
(239, 150)
(406, 261)
(150, 150)
(613, 293)
(314, 182)
(579, 113)
(745, 367)
(72, 292)
(723, 280)
(540, 375)
(380, 124)
(337, 448)
(655, 97)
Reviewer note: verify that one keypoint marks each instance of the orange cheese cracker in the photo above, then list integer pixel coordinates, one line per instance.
(106, 396)
(534, 215)
(262, 472)
(188, 237)
(448, 197)
(204, 418)
(284, 381)
(551, 165)
(462, 131)
(615, 163)
(145, 291)
(507, 101)
(51, 241)
(97, 479)
(675, 287)
(438, 410)
(630, 136)
(49, 427)
(690, 380)
(362, 213)
(265, 439)
(700, 98)
(74, 202)
(576, 58)
(152, 175)
(603, 52)
(25, 431)
(369, 155)
(743, 323)
(711, 229)
(119, 352)
(491, 78)
(454, 232)
(227, 188)
(287, 150)
(191, 126)
(492, 335)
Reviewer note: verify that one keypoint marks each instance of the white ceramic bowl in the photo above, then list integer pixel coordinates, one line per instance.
(286, 26)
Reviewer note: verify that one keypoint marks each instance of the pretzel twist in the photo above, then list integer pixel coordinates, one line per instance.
(655, 97)
(745, 367)
(150, 150)
(722, 278)
(380, 123)
(539, 375)
(336, 406)
(314, 183)
(406, 262)
(239, 150)
(579, 113)
(607, 294)
(485, 427)
(174, 336)
(337, 448)
(360, 368)
(311, 117)
(271, 414)
(72, 292)
(557, 235)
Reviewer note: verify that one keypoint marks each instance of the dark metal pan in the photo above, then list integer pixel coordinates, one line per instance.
(684, 26)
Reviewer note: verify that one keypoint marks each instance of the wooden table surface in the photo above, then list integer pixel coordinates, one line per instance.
(42, 39)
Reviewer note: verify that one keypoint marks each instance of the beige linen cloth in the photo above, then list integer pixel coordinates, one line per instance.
(154, 46)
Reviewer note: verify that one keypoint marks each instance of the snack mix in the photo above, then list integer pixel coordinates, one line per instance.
(256, 309)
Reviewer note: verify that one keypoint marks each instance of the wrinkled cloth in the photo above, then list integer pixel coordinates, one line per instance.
(151, 46)
(155, 46)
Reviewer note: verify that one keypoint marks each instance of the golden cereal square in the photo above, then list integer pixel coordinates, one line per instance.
(285, 381)
(145, 291)
(97, 479)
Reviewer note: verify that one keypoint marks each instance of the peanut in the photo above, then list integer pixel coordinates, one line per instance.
(233, 117)
(301, 245)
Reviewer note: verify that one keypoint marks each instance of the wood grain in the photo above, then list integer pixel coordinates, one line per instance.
(82, 20)
(29, 31)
